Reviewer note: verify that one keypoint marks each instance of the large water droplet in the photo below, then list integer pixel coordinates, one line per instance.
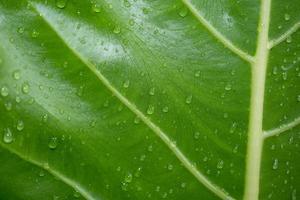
(7, 136)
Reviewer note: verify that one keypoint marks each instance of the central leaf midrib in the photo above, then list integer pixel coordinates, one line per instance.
(255, 130)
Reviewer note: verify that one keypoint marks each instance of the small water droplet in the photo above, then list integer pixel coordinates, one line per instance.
(117, 30)
(150, 110)
(61, 3)
(7, 136)
(20, 125)
(96, 8)
(188, 100)
(137, 120)
(197, 74)
(287, 17)
(4, 91)
(20, 30)
(275, 164)
(34, 34)
(170, 167)
(228, 87)
(8, 106)
(183, 185)
(127, 3)
(152, 91)
(298, 97)
(165, 109)
(220, 164)
(16, 75)
(289, 39)
(183, 12)
(25, 88)
(126, 84)
(196, 135)
(53, 142)
(76, 194)
(145, 10)
(128, 178)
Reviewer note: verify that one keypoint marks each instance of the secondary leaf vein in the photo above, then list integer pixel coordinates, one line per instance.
(282, 128)
(284, 36)
(226, 42)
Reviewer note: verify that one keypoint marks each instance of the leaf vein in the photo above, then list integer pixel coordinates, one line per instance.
(219, 36)
(54, 172)
(163, 136)
(284, 36)
(282, 128)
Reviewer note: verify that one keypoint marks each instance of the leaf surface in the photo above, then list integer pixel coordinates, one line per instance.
(137, 99)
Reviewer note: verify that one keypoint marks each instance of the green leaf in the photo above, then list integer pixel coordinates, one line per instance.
(148, 99)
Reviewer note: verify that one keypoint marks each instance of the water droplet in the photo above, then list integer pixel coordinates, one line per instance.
(298, 97)
(16, 75)
(4, 91)
(145, 10)
(183, 185)
(53, 142)
(127, 3)
(275, 164)
(170, 167)
(42, 173)
(25, 88)
(128, 178)
(131, 22)
(287, 17)
(7, 136)
(96, 8)
(197, 74)
(150, 148)
(117, 30)
(20, 30)
(220, 164)
(152, 91)
(8, 106)
(137, 120)
(196, 135)
(165, 109)
(61, 3)
(228, 87)
(76, 194)
(150, 110)
(183, 12)
(289, 39)
(34, 34)
(188, 100)
(126, 84)
(20, 125)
